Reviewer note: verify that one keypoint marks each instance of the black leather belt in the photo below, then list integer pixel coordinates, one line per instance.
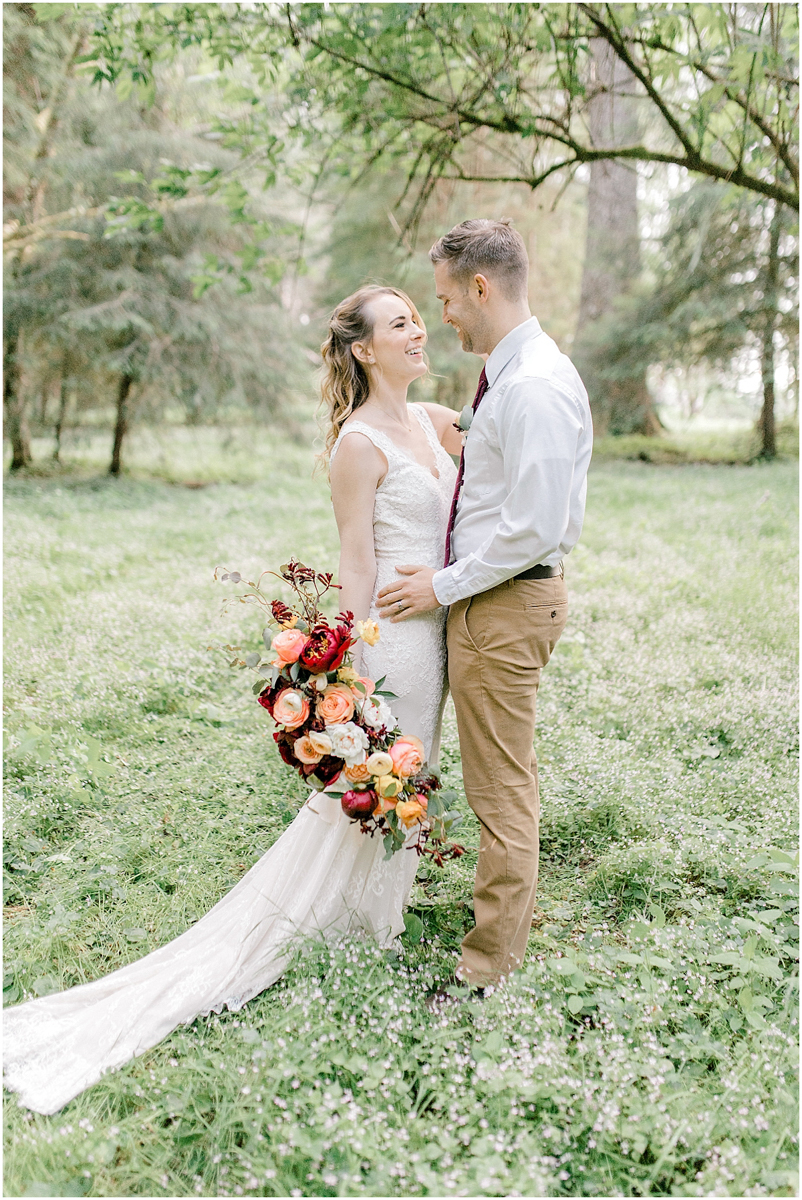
(540, 572)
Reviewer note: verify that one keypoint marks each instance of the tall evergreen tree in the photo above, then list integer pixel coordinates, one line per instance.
(125, 300)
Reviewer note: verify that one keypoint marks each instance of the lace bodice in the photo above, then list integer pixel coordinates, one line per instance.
(410, 516)
(411, 509)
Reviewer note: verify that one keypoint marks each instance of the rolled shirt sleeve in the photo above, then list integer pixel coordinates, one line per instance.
(538, 427)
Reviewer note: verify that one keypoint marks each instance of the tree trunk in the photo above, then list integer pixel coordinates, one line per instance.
(765, 424)
(16, 422)
(121, 426)
(64, 399)
(619, 399)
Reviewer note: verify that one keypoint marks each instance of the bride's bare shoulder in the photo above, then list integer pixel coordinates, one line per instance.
(357, 456)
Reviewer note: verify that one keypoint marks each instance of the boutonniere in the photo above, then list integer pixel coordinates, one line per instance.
(463, 423)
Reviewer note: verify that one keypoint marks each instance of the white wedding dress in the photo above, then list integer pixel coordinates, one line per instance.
(322, 875)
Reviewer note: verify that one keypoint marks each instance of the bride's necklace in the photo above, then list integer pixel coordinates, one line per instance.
(407, 428)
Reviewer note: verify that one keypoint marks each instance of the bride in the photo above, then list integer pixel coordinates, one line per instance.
(391, 483)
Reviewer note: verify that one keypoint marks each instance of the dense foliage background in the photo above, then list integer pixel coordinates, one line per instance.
(190, 188)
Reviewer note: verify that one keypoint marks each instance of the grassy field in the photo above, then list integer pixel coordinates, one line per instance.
(647, 1048)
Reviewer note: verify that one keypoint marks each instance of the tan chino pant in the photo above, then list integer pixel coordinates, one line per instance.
(498, 642)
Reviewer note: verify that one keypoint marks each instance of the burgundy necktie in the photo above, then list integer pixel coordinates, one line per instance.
(480, 391)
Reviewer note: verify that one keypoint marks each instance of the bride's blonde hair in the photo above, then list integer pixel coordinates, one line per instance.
(345, 383)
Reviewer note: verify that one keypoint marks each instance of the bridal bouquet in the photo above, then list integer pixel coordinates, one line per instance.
(336, 728)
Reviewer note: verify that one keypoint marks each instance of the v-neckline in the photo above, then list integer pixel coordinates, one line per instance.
(404, 452)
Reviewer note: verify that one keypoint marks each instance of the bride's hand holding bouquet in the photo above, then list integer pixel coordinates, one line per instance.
(335, 727)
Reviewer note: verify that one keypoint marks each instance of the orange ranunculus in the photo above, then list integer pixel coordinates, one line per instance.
(305, 751)
(336, 705)
(358, 774)
(291, 708)
(288, 645)
(409, 811)
(407, 755)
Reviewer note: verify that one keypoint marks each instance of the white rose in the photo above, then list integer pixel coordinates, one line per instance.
(376, 713)
(349, 742)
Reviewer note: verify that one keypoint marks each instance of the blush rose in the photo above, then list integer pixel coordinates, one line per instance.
(287, 646)
(336, 705)
(291, 708)
(407, 756)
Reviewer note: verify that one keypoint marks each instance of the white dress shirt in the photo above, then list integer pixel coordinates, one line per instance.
(526, 462)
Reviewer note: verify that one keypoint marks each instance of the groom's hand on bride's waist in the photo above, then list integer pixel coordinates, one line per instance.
(410, 596)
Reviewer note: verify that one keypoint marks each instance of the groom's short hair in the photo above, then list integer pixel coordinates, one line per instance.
(485, 247)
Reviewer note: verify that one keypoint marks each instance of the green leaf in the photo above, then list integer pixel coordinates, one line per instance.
(784, 887)
(45, 985)
(413, 928)
(574, 1004)
(780, 856)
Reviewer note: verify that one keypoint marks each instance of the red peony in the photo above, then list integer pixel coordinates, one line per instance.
(326, 647)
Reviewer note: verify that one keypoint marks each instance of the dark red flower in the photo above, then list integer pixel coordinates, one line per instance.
(267, 698)
(327, 769)
(425, 783)
(281, 612)
(285, 743)
(326, 647)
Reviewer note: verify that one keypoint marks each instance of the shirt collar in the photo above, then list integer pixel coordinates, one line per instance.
(508, 347)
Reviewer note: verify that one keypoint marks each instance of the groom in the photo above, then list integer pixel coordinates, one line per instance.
(517, 512)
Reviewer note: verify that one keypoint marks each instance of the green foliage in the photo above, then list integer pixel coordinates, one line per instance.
(120, 291)
(647, 1047)
(429, 84)
(696, 446)
(708, 301)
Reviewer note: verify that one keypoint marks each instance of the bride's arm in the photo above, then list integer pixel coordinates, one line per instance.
(356, 471)
(443, 420)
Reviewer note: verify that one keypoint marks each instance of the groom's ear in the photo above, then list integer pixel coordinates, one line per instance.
(481, 288)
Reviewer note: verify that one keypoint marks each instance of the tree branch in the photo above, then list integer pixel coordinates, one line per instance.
(738, 98)
(691, 160)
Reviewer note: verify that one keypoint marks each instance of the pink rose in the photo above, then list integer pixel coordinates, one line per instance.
(288, 645)
(291, 708)
(336, 705)
(407, 755)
